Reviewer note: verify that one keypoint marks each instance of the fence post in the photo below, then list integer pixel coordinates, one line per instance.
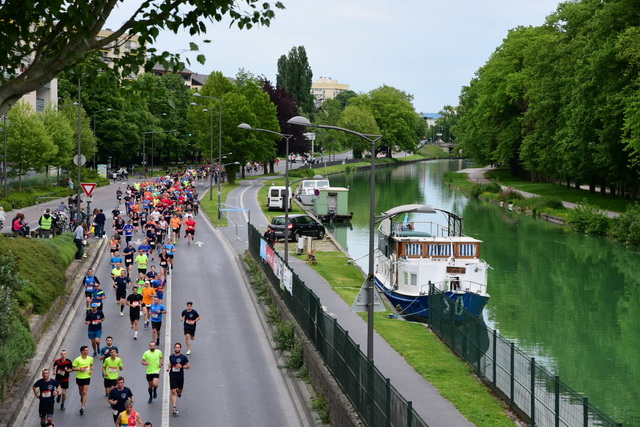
(533, 391)
(388, 405)
(585, 408)
(465, 337)
(495, 354)
(557, 399)
(476, 346)
(512, 373)
(409, 414)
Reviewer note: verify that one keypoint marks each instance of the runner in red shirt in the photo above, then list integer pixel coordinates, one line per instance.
(190, 229)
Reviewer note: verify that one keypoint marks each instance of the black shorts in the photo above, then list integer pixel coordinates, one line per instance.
(127, 263)
(142, 270)
(176, 230)
(45, 409)
(176, 383)
(121, 294)
(109, 383)
(63, 383)
(150, 377)
(190, 331)
(88, 294)
(156, 325)
(134, 315)
(83, 381)
(192, 232)
(170, 256)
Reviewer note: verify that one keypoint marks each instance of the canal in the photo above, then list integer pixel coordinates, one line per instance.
(571, 301)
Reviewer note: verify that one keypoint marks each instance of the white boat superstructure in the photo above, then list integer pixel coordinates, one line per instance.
(306, 191)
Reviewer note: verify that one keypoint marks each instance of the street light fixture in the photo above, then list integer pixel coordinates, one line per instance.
(303, 121)
(211, 149)
(95, 113)
(4, 163)
(286, 136)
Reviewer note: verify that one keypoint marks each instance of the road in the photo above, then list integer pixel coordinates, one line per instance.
(234, 379)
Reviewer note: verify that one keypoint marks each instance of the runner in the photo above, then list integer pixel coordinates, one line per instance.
(112, 365)
(94, 319)
(128, 231)
(177, 364)
(84, 366)
(152, 359)
(121, 285)
(147, 299)
(164, 261)
(61, 369)
(190, 229)
(105, 353)
(176, 223)
(142, 260)
(118, 397)
(119, 196)
(89, 286)
(98, 296)
(189, 317)
(171, 248)
(157, 310)
(46, 390)
(129, 253)
(134, 301)
(129, 417)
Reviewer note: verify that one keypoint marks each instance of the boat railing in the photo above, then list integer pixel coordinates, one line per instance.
(434, 229)
(454, 285)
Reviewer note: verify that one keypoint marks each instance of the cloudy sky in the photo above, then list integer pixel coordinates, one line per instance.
(427, 48)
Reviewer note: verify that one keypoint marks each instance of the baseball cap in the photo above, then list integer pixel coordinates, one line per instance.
(94, 304)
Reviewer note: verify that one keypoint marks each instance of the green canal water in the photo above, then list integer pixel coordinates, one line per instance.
(571, 301)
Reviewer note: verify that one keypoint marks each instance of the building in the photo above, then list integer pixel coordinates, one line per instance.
(430, 118)
(117, 49)
(42, 96)
(192, 79)
(326, 88)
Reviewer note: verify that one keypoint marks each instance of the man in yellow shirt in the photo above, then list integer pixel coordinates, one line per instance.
(142, 260)
(111, 370)
(152, 359)
(84, 366)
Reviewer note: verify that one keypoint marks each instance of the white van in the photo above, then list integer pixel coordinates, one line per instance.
(275, 200)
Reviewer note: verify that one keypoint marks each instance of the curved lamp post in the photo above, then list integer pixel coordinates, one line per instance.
(211, 148)
(286, 136)
(303, 121)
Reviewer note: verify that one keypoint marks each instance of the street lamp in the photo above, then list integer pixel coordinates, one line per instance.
(4, 163)
(95, 113)
(144, 148)
(286, 184)
(211, 148)
(303, 121)
(79, 163)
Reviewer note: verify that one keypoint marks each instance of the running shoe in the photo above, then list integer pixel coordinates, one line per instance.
(62, 407)
(175, 411)
(150, 400)
(121, 314)
(58, 399)
(155, 393)
(188, 352)
(81, 411)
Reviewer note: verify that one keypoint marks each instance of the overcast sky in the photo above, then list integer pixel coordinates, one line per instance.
(427, 48)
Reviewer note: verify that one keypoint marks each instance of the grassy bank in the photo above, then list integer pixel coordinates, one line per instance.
(453, 378)
(32, 276)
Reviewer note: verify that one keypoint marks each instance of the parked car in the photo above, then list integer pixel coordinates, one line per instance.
(299, 225)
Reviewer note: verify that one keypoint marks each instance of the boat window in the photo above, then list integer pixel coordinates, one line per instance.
(467, 249)
(414, 279)
(413, 249)
(406, 278)
(440, 250)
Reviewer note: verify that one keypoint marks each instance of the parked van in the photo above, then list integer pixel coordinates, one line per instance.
(276, 197)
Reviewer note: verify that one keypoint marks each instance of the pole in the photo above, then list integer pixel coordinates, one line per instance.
(78, 210)
(372, 222)
(219, 159)
(211, 157)
(94, 136)
(4, 126)
(144, 153)
(286, 201)
(152, 151)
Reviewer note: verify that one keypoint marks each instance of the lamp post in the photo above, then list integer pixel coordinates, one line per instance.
(94, 132)
(211, 148)
(4, 163)
(286, 184)
(79, 163)
(303, 121)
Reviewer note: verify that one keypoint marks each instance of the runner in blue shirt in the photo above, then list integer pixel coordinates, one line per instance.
(128, 231)
(90, 282)
(157, 310)
(170, 247)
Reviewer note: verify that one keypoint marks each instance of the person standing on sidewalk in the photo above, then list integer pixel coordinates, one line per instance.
(78, 238)
(100, 219)
(46, 390)
(46, 223)
(84, 366)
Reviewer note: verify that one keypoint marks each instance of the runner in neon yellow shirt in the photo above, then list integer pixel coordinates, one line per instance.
(84, 366)
(111, 370)
(152, 359)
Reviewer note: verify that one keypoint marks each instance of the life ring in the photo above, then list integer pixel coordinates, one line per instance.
(447, 307)
(459, 306)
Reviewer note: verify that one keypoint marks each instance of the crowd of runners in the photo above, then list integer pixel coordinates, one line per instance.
(159, 212)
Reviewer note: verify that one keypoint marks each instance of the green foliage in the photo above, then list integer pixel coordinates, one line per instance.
(539, 204)
(29, 196)
(476, 190)
(586, 218)
(18, 347)
(509, 196)
(295, 76)
(626, 228)
(284, 336)
(320, 404)
(360, 120)
(295, 359)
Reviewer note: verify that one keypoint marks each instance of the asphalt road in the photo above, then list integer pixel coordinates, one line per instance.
(234, 379)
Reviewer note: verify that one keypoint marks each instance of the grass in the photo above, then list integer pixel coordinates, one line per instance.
(210, 207)
(573, 195)
(453, 378)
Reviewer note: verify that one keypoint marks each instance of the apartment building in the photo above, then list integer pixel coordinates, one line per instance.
(326, 88)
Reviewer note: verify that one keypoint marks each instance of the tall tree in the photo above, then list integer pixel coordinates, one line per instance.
(295, 76)
(41, 39)
(286, 107)
(361, 120)
(59, 128)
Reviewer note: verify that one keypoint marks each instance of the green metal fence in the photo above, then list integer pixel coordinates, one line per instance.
(377, 402)
(529, 388)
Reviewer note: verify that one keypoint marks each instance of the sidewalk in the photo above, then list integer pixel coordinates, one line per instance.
(477, 175)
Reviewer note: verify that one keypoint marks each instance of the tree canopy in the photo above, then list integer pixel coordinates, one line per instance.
(295, 76)
(42, 38)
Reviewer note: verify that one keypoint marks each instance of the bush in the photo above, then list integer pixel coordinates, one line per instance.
(585, 218)
(509, 196)
(492, 187)
(626, 228)
(539, 204)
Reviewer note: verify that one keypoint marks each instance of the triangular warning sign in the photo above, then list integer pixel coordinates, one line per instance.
(88, 187)
(361, 302)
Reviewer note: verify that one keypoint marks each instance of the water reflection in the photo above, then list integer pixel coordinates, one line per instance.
(569, 300)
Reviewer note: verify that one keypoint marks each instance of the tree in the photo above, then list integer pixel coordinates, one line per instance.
(29, 146)
(295, 76)
(58, 127)
(344, 97)
(41, 39)
(361, 120)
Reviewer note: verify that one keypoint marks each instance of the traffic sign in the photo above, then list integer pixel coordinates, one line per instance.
(79, 160)
(88, 188)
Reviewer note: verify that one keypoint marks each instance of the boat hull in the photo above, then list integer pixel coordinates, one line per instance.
(417, 307)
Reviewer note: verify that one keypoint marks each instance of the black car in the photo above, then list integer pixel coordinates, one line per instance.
(299, 225)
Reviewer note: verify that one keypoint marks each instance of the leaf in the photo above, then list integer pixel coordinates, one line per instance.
(193, 47)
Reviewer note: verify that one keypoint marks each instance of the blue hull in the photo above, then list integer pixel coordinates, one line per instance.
(418, 307)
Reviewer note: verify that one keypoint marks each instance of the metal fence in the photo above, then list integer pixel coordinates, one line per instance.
(377, 402)
(531, 390)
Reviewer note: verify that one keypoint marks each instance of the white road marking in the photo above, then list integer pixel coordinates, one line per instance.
(166, 391)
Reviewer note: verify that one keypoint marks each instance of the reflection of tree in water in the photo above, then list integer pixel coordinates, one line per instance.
(569, 299)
